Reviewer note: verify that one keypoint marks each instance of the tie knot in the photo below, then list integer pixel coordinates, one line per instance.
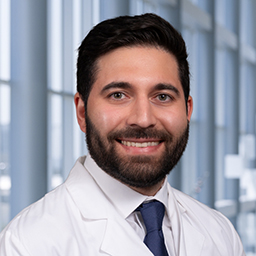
(152, 213)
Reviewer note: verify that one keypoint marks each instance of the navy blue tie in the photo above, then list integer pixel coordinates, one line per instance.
(153, 213)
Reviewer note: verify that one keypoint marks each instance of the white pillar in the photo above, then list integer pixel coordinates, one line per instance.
(28, 102)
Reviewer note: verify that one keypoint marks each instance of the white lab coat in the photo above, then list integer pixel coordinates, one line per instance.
(78, 219)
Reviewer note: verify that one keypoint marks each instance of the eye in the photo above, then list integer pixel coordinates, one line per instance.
(117, 95)
(163, 97)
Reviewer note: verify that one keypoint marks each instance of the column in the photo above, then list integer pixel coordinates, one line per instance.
(28, 102)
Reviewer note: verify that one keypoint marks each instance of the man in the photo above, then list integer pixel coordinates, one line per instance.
(133, 104)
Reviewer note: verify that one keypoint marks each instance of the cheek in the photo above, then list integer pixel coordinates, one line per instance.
(174, 122)
(105, 118)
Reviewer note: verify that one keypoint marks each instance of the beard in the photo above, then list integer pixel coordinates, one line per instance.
(135, 171)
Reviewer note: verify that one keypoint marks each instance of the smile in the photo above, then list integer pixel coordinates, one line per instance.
(140, 144)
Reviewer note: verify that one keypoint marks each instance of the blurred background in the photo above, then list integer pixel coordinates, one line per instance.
(40, 139)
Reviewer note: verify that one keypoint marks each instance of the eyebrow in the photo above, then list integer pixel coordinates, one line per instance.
(164, 86)
(125, 85)
(113, 85)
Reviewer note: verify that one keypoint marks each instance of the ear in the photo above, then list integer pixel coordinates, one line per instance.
(80, 112)
(189, 107)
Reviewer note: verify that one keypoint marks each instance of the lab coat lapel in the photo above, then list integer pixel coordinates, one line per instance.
(121, 239)
(187, 239)
(192, 240)
(85, 192)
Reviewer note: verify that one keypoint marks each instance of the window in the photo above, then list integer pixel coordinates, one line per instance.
(221, 41)
(69, 22)
(5, 112)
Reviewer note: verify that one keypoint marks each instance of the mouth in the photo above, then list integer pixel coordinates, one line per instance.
(142, 144)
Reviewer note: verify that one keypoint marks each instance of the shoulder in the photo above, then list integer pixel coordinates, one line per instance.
(47, 209)
(216, 228)
(54, 216)
(200, 211)
(33, 223)
(53, 207)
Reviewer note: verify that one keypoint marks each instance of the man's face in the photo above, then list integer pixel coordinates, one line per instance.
(136, 120)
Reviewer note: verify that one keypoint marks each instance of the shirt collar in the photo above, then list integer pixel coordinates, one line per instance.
(125, 199)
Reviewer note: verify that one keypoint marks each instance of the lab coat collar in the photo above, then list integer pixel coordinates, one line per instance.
(114, 190)
(118, 193)
(85, 193)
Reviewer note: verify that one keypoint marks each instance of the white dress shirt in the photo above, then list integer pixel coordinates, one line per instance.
(127, 200)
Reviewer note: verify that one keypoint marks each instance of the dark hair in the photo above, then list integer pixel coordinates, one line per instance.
(124, 31)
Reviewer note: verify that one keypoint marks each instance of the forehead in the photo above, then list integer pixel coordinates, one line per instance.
(137, 65)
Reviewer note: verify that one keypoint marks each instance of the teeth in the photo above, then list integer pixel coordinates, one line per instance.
(138, 144)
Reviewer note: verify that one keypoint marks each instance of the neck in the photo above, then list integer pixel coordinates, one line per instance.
(149, 191)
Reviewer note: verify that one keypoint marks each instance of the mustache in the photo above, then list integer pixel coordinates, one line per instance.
(140, 133)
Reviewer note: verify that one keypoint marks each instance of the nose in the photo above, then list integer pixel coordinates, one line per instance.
(142, 114)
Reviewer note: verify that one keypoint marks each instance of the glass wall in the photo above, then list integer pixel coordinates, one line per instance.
(5, 112)
(68, 21)
(218, 167)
